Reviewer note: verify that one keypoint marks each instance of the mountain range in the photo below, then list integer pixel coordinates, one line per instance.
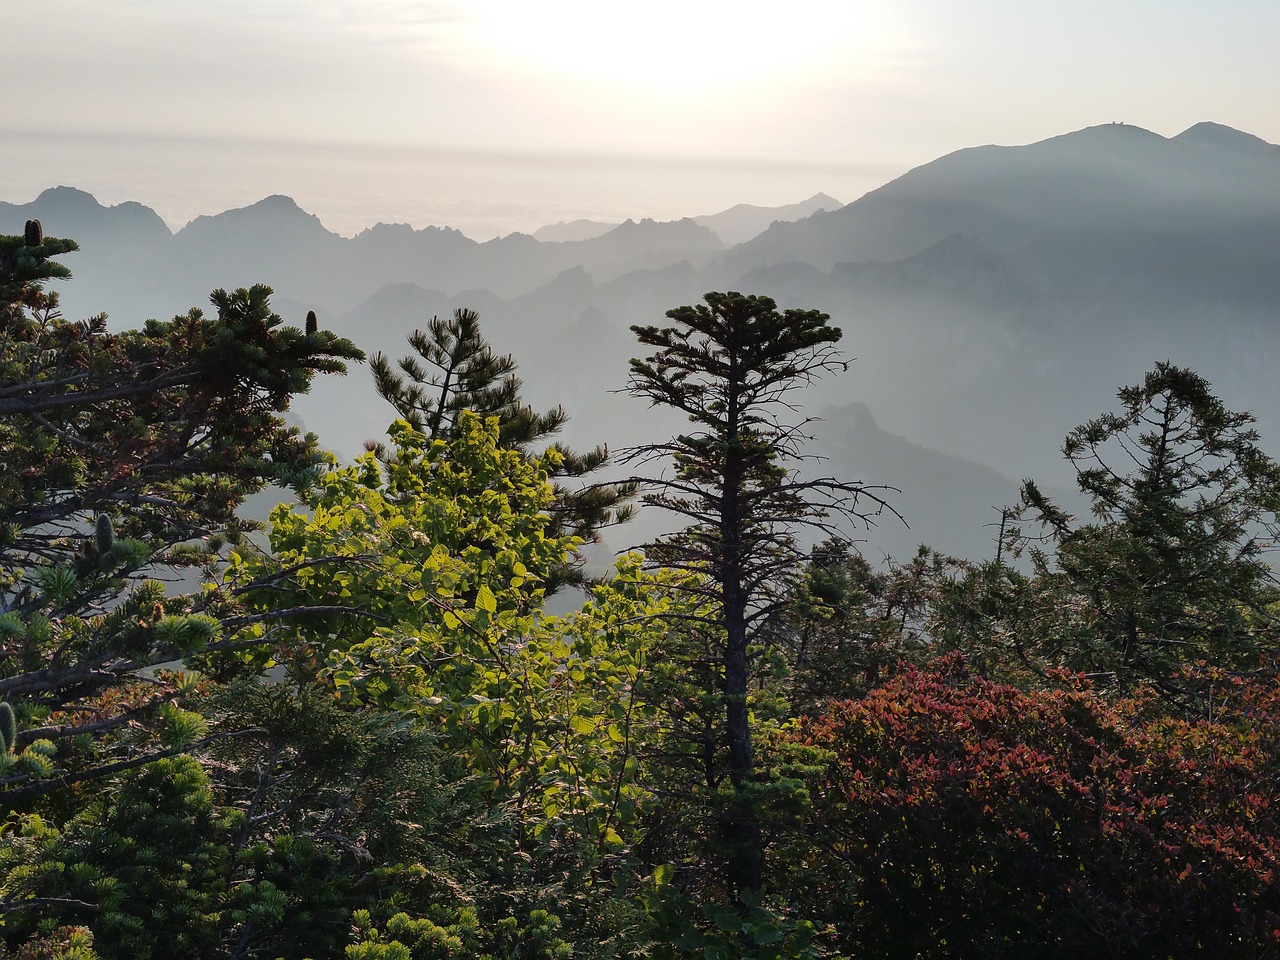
(991, 300)
(736, 225)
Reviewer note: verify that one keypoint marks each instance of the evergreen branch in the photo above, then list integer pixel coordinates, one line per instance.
(30, 787)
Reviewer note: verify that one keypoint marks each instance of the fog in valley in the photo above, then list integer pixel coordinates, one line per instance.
(990, 301)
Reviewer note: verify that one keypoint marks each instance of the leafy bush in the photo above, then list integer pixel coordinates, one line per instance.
(964, 818)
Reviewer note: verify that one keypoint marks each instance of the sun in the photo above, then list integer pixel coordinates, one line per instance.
(674, 45)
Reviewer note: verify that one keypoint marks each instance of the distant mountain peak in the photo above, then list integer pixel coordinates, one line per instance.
(684, 230)
(72, 212)
(278, 200)
(383, 229)
(572, 230)
(1222, 137)
(571, 278)
(64, 194)
(857, 415)
(276, 210)
(279, 205)
(1121, 128)
(823, 200)
(741, 223)
(1114, 132)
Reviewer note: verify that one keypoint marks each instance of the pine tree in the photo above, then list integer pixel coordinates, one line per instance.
(455, 370)
(124, 456)
(1171, 568)
(731, 366)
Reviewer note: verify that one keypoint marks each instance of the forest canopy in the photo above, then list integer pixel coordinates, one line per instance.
(359, 730)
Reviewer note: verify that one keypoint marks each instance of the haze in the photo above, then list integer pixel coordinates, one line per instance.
(502, 116)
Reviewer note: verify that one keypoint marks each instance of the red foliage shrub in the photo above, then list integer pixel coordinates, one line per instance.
(964, 818)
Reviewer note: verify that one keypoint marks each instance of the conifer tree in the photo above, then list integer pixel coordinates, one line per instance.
(455, 370)
(848, 622)
(1171, 568)
(731, 365)
(123, 456)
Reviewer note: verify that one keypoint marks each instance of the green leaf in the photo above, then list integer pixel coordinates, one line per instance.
(728, 921)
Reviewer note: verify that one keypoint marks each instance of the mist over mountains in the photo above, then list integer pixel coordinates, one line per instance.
(991, 300)
(736, 225)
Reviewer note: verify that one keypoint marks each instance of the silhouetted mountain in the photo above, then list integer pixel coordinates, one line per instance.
(138, 266)
(572, 230)
(642, 245)
(990, 301)
(947, 502)
(733, 226)
(124, 249)
(80, 215)
(276, 232)
(739, 224)
(244, 227)
(1219, 137)
(1115, 180)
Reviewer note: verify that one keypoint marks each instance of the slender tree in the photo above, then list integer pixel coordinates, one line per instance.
(732, 365)
(462, 373)
(455, 370)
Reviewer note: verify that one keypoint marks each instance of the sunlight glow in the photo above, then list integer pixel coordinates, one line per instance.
(676, 45)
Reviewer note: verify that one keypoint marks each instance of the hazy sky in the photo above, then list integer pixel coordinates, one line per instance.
(496, 115)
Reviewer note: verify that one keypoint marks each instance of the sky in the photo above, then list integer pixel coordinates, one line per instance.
(500, 115)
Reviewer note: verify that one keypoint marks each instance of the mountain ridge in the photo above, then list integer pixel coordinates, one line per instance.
(1110, 176)
(990, 300)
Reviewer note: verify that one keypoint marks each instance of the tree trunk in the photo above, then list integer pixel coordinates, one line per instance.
(739, 827)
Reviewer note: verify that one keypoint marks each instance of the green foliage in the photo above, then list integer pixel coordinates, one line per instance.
(684, 823)
(58, 584)
(339, 810)
(179, 729)
(848, 622)
(312, 812)
(144, 867)
(64, 943)
(750, 930)
(731, 366)
(34, 762)
(458, 934)
(24, 269)
(464, 374)
(18, 761)
(451, 534)
(186, 634)
(447, 551)
(1171, 569)
(125, 452)
(432, 565)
